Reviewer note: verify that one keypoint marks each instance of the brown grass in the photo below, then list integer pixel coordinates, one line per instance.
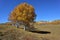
(13, 33)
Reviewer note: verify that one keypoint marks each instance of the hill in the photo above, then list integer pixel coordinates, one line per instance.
(8, 32)
(12, 33)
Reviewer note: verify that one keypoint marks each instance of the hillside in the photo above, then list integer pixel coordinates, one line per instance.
(8, 32)
(12, 33)
(55, 22)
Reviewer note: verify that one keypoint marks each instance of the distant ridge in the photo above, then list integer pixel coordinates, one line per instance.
(39, 22)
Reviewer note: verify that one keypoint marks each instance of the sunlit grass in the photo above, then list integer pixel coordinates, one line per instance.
(13, 32)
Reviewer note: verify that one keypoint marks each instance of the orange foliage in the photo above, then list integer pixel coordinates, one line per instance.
(23, 12)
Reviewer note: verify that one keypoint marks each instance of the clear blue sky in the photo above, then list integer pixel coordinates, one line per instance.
(47, 10)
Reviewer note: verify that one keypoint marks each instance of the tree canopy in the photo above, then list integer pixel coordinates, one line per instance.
(23, 13)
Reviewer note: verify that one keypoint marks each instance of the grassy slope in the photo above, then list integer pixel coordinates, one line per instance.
(12, 33)
(54, 29)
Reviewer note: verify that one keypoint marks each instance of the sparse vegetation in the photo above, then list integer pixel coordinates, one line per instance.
(9, 33)
(12, 33)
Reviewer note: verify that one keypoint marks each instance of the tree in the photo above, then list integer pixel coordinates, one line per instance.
(22, 14)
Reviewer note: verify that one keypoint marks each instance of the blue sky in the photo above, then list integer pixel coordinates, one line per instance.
(46, 10)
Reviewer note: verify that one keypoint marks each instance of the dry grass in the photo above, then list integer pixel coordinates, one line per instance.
(13, 33)
(54, 29)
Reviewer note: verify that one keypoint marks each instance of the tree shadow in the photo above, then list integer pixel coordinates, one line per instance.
(41, 32)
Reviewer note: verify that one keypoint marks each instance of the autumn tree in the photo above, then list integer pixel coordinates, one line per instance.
(22, 14)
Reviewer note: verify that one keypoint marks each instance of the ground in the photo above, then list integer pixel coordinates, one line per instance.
(13, 33)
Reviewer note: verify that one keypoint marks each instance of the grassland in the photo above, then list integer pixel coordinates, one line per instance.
(53, 29)
(13, 33)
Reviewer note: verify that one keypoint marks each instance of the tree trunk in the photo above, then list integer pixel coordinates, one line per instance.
(24, 27)
(17, 24)
(13, 24)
